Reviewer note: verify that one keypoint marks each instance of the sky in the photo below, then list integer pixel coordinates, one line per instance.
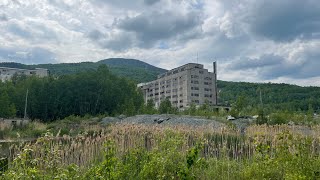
(251, 40)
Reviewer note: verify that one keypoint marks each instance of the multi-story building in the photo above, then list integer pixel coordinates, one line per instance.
(7, 73)
(183, 86)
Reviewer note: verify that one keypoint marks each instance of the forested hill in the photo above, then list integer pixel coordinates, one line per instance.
(273, 96)
(135, 69)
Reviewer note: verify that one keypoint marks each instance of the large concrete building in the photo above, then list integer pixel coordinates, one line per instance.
(183, 86)
(7, 73)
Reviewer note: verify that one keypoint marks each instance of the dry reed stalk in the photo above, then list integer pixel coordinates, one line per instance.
(218, 142)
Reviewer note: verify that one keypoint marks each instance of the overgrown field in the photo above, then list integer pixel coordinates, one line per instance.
(129, 151)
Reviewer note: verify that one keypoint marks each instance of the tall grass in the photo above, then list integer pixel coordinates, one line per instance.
(210, 151)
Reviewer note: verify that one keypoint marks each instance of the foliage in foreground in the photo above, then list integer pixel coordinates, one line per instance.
(286, 156)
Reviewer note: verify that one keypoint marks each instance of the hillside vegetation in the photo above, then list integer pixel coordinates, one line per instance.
(282, 97)
(134, 69)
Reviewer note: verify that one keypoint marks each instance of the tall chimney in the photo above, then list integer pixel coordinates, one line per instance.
(215, 82)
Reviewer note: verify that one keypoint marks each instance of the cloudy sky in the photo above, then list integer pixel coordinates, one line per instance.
(252, 40)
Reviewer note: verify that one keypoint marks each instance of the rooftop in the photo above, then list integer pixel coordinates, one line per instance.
(18, 69)
(181, 68)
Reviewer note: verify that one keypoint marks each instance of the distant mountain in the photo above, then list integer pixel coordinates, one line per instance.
(120, 62)
(136, 70)
(132, 68)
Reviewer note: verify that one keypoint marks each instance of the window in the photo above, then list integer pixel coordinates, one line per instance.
(200, 72)
(195, 82)
(181, 101)
(195, 76)
(208, 78)
(207, 89)
(195, 101)
(194, 88)
(195, 94)
(207, 83)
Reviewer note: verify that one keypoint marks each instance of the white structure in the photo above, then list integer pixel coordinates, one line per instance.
(7, 73)
(183, 86)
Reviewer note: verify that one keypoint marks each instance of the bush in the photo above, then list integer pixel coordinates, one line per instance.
(279, 118)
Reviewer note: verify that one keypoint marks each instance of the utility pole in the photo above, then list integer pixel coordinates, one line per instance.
(261, 98)
(25, 106)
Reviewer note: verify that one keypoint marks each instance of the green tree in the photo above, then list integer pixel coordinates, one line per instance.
(205, 106)
(310, 113)
(238, 106)
(192, 109)
(150, 107)
(165, 107)
(7, 108)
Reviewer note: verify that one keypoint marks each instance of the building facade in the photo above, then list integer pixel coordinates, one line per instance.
(6, 73)
(183, 86)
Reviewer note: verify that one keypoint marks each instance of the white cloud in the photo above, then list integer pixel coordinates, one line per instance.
(168, 33)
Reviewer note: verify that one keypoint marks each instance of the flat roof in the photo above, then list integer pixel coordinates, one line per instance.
(22, 69)
(163, 74)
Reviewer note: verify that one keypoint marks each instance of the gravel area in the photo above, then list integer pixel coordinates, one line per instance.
(184, 120)
(165, 119)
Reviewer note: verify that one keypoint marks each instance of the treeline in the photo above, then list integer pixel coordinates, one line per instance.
(282, 97)
(134, 69)
(91, 92)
